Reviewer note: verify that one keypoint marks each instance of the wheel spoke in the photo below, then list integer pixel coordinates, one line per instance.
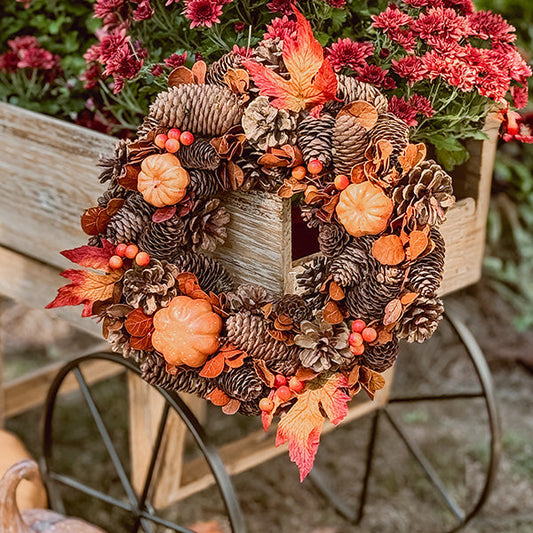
(430, 472)
(467, 395)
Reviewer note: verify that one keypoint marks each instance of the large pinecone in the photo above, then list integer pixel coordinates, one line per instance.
(349, 143)
(310, 280)
(204, 183)
(266, 126)
(380, 356)
(351, 266)
(315, 138)
(421, 319)
(332, 239)
(130, 221)
(206, 227)
(250, 333)
(217, 70)
(350, 90)
(161, 240)
(154, 371)
(425, 275)
(241, 383)
(212, 276)
(199, 154)
(151, 287)
(324, 346)
(389, 127)
(368, 299)
(294, 307)
(428, 190)
(247, 297)
(201, 109)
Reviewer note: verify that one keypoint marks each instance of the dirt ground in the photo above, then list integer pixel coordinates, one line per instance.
(453, 435)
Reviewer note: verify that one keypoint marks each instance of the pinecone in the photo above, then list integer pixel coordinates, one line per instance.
(119, 341)
(112, 166)
(148, 124)
(294, 307)
(151, 287)
(380, 356)
(250, 408)
(389, 127)
(265, 126)
(199, 154)
(206, 227)
(421, 319)
(241, 383)
(217, 70)
(428, 190)
(311, 279)
(112, 192)
(351, 266)
(270, 54)
(154, 371)
(325, 347)
(250, 333)
(161, 240)
(130, 221)
(350, 90)
(212, 276)
(425, 274)
(332, 239)
(247, 297)
(257, 176)
(204, 183)
(315, 137)
(349, 143)
(201, 109)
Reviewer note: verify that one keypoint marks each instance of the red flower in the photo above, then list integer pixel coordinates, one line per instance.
(23, 42)
(282, 28)
(202, 12)
(516, 128)
(239, 27)
(9, 62)
(440, 24)
(348, 53)
(424, 3)
(336, 3)
(242, 51)
(104, 9)
(401, 108)
(391, 19)
(421, 105)
(465, 7)
(453, 70)
(405, 38)
(91, 76)
(144, 11)
(176, 60)
(487, 25)
(371, 74)
(285, 7)
(410, 67)
(520, 95)
(37, 58)
(157, 70)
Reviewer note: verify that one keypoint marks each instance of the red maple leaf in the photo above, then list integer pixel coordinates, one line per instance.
(312, 81)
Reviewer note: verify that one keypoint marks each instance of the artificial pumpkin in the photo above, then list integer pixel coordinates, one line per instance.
(364, 209)
(186, 332)
(162, 180)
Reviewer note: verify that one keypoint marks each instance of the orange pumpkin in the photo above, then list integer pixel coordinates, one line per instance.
(186, 332)
(162, 180)
(364, 209)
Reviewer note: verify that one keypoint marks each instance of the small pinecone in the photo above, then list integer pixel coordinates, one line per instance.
(199, 154)
(389, 127)
(332, 239)
(250, 408)
(294, 307)
(204, 183)
(217, 70)
(161, 239)
(247, 297)
(148, 124)
(315, 138)
(212, 276)
(206, 227)
(421, 319)
(350, 90)
(250, 333)
(151, 287)
(201, 109)
(311, 279)
(324, 346)
(266, 126)
(380, 356)
(428, 190)
(241, 383)
(349, 143)
(425, 274)
(114, 191)
(112, 166)
(351, 266)
(119, 341)
(259, 177)
(270, 54)
(154, 371)
(130, 221)
(308, 213)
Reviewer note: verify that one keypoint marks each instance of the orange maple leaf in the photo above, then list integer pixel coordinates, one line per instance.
(301, 426)
(312, 81)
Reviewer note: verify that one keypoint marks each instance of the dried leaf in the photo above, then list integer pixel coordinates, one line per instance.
(371, 382)
(114, 205)
(102, 220)
(232, 407)
(238, 80)
(236, 360)
(305, 374)
(393, 312)
(418, 242)
(92, 256)
(335, 291)
(365, 113)
(138, 323)
(180, 76)
(414, 154)
(353, 377)
(264, 373)
(267, 309)
(218, 397)
(89, 220)
(189, 286)
(128, 177)
(388, 250)
(213, 367)
(332, 313)
(141, 343)
(164, 213)
(408, 298)
(199, 70)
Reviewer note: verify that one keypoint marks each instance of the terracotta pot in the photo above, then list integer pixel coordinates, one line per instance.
(12, 520)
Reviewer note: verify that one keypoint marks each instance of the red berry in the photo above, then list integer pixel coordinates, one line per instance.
(358, 326)
(266, 404)
(172, 146)
(131, 251)
(174, 133)
(187, 138)
(115, 262)
(296, 385)
(284, 393)
(315, 166)
(121, 249)
(369, 334)
(341, 182)
(280, 380)
(355, 339)
(357, 350)
(299, 172)
(160, 140)
(142, 259)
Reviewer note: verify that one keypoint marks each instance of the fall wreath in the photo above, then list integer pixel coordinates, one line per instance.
(278, 119)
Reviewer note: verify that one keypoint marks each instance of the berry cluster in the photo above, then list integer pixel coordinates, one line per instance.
(173, 139)
(361, 333)
(284, 391)
(129, 251)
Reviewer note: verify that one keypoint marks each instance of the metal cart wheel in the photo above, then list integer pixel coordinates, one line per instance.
(355, 512)
(138, 506)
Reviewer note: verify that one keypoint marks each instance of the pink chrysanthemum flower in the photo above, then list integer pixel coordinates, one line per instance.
(465, 7)
(37, 58)
(423, 3)
(371, 74)
(104, 8)
(348, 53)
(487, 25)
(421, 105)
(239, 27)
(176, 60)
(401, 108)
(339, 4)
(440, 24)
(91, 76)
(411, 68)
(392, 19)
(285, 7)
(453, 70)
(520, 96)
(280, 27)
(157, 70)
(202, 12)
(23, 42)
(144, 11)
(9, 62)
(405, 38)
